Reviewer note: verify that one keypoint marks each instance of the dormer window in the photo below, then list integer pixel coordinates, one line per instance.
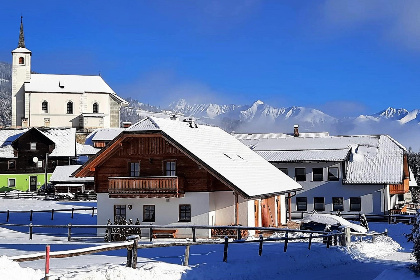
(69, 107)
(45, 107)
(95, 108)
(21, 60)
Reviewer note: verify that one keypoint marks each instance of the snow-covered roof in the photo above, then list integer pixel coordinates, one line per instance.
(308, 155)
(223, 155)
(85, 149)
(64, 139)
(371, 159)
(105, 134)
(70, 84)
(63, 174)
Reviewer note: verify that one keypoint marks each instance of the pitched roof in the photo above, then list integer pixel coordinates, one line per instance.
(63, 174)
(220, 154)
(371, 159)
(70, 84)
(64, 139)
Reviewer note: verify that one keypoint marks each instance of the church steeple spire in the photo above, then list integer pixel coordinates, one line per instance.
(21, 43)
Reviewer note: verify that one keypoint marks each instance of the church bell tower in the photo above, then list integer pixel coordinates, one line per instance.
(21, 74)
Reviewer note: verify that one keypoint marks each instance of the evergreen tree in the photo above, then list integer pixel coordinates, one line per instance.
(414, 236)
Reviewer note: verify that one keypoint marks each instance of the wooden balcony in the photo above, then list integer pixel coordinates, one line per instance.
(156, 186)
(399, 188)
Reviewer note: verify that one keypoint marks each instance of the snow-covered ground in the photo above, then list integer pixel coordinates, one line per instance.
(387, 258)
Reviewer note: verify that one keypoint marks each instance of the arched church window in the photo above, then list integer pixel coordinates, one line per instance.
(95, 108)
(21, 60)
(45, 106)
(69, 107)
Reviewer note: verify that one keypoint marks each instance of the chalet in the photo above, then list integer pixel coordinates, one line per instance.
(29, 156)
(164, 171)
(63, 182)
(49, 100)
(351, 174)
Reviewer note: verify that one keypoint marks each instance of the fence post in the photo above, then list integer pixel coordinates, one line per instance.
(72, 213)
(52, 214)
(225, 250)
(47, 262)
(310, 241)
(69, 233)
(134, 254)
(93, 211)
(151, 234)
(30, 217)
(328, 240)
(261, 245)
(386, 232)
(286, 241)
(389, 217)
(347, 237)
(8, 216)
(238, 234)
(193, 233)
(187, 255)
(129, 257)
(30, 231)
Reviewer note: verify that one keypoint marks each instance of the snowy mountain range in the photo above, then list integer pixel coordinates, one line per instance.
(259, 117)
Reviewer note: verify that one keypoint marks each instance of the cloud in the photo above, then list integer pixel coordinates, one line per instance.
(395, 21)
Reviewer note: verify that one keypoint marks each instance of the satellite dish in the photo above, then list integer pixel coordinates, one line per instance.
(35, 159)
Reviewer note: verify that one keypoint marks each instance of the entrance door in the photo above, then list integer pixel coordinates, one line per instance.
(33, 183)
(267, 212)
(256, 212)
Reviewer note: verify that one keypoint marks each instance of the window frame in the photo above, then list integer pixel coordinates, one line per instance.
(172, 168)
(299, 177)
(44, 107)
(70, 107)
(318, 203)
(136, 171)
(332, 177)
(334, 205)
(299, 204)
(13, 163)
(11, 180)
(149, 211)
(184, 215)
(21, 60)
(317, 177)
(120, 211)
(95, 108)
(32, 146)
(353, 204)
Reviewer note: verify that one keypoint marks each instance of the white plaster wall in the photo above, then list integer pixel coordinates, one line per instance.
(224, 208)
(57, 108)
(166, 212)
(20, 73)
(371, 195)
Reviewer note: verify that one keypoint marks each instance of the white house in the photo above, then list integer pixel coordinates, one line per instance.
(171, 172)
(351, 174)
(82, 102)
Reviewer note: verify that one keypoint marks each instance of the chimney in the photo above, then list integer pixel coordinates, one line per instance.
(126, 124)
(296, 130)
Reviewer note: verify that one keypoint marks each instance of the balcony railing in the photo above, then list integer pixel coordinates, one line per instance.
(156, 186)
(399, 188)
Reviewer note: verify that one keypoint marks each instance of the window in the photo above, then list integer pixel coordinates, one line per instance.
(284, 170)
(338, 204)
(135, 169)
(319, 204)
(40, 163)
(301, 203)
(69, 107)
(11, 164)
(333, 174)
(317, 174)
(119, 212)
(44, 107)
(300, 174)
(32, 146)
(21, 60)
(170, 168)
(185, 212)
(355, 204)
(95, 108)
(148, 213)
(11, 183)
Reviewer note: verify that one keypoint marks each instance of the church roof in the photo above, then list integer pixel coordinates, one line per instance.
(69, 84)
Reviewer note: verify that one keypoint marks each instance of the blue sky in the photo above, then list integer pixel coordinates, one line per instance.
(343, 57)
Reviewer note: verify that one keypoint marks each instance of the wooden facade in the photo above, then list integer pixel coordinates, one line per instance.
(151, 151)
(404, 187)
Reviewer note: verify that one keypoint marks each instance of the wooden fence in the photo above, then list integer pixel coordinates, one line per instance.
(52, 211)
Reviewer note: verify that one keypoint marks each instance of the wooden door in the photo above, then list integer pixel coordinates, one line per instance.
(33, 180)
(268, 212)
(256, 212)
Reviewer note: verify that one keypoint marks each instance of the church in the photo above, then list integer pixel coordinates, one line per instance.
(68, 101)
